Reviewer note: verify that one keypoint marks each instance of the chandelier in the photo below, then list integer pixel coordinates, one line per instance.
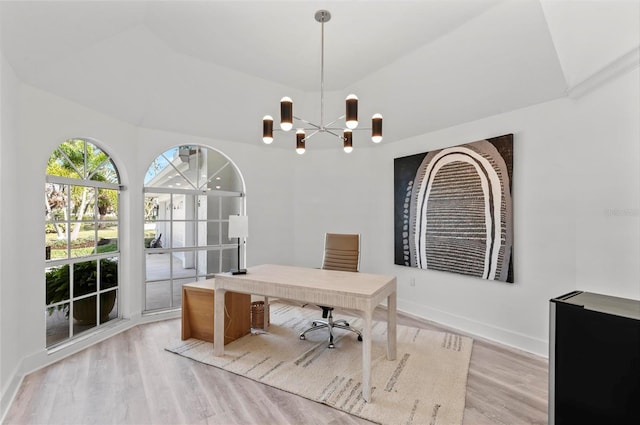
(350, 117)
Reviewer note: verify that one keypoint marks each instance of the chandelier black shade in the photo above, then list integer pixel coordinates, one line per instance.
(288, 119)
(300, 139)
(267, 129)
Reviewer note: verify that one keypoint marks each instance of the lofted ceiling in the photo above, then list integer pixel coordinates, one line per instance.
(214, 68)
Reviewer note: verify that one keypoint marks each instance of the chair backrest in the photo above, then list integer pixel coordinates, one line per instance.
(341, 252)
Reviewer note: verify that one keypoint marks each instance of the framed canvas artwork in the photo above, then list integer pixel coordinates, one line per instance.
(453, 209)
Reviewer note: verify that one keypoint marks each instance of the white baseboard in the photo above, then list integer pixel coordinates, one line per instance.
(9, 392)
(477, 329)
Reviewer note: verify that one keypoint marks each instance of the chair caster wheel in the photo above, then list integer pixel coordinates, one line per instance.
(332, 346)
(359, 338)
(314, 324)
(346, 324)
(302, 337)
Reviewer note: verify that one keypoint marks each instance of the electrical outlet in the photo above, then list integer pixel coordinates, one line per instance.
(412, 281)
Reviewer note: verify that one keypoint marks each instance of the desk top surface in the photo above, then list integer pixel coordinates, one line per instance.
(349, 283)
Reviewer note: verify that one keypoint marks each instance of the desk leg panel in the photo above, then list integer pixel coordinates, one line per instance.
(218, 323)
(366, 355)
(391, 326)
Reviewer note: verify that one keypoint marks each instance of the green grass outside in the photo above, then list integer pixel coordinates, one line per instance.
(83, 237)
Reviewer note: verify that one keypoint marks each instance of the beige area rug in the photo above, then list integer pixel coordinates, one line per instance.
(426, 384)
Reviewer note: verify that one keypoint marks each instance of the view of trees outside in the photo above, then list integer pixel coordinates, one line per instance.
(81, 237)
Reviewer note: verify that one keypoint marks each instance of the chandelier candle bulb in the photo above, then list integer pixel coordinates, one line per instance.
(267, 129)
(351, 116)
(300, 141)
(286, 113)
(348, 141)
(376, 128)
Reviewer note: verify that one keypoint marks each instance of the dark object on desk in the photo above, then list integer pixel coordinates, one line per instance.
(594, 360)
(341, 252)
(238, 271)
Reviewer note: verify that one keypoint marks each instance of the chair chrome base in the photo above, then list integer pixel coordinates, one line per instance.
(330, 324)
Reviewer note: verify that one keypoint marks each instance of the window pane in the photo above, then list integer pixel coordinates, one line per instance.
(209, 233)
(150, 232)
(225, 233)
(151, 207)
(201, 269)
(177, 290)
(229, 259)
(56, 201)
(107, 238)
(213, 208)
(84, 314)
(83, 239)
(156, 170)
(84, 278)
(108, 172)
(95, 159)
(108, 306)
(202, 207)
(162, 236)
(223, 175)
(178, 207)
(158, 295)
(183, 234)
(231, 206)
(108, 273)
(213, 261)
(67, 160)
(158, 266)
(107, 205)
(82, 203)
(58, 246)
(183, 264)
(57, 324)
(57, 281)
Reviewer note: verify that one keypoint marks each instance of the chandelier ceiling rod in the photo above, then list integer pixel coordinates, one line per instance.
(322, 16)
(351, 115)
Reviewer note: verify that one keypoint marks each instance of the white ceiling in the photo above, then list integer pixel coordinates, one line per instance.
(214, 68)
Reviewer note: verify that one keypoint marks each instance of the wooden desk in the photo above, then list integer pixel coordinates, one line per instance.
(197, 312)
(354, 291)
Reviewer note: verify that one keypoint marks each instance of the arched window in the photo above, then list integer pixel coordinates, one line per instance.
(82, 196)
(190, 192)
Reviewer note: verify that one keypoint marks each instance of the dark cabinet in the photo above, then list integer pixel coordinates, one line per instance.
(594, 360)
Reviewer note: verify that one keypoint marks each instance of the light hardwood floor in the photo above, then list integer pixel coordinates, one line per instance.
(131, 379)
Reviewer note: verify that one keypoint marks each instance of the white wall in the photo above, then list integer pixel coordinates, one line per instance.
(576, 189)
(9, 309)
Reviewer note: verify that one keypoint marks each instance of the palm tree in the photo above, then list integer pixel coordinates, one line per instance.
(78, 159)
